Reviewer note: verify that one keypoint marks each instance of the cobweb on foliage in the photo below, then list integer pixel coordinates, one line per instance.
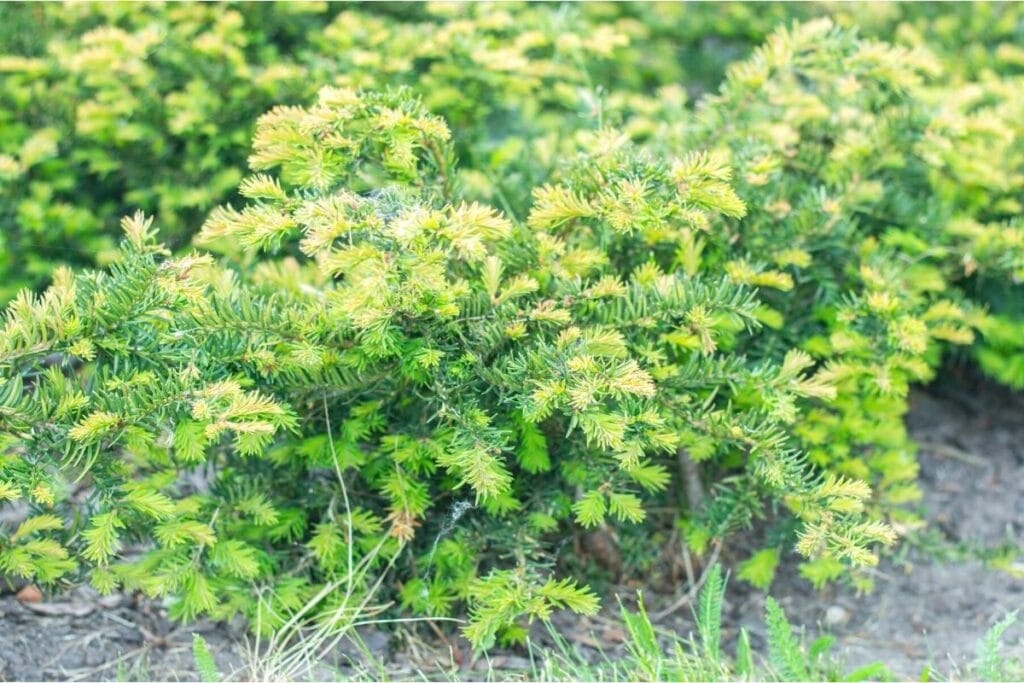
(459, 509)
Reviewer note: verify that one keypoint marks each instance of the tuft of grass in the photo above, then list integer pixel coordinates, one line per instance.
(650, 654)
(654, 655)
(296, 650)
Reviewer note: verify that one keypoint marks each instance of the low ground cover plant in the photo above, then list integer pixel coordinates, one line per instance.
(656, 654)
(484, 282)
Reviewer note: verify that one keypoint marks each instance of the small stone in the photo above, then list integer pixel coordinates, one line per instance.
(29, 594)
(517, 663)
(111, 601)
(495, 662)
(836, 615)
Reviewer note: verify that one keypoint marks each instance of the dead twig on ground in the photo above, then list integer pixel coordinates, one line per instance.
(695, 587)
(945, 450)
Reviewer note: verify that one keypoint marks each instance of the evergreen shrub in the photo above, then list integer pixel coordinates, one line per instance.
(494, 281)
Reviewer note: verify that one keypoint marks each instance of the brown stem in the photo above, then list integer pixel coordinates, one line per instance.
(689, 472)
(442, 165)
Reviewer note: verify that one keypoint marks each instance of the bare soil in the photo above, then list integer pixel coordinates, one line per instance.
(932, 601)
(965, 572)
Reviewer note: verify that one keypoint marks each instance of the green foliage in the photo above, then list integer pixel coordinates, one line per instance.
(785, 655)
(655, 655)
(709, 614)
(490, 282)
(991, 664)
(207, 668)
(108, 108)
(643, 645)
(436, 326)
(114, 108)
(759, 570)
(501, 597)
